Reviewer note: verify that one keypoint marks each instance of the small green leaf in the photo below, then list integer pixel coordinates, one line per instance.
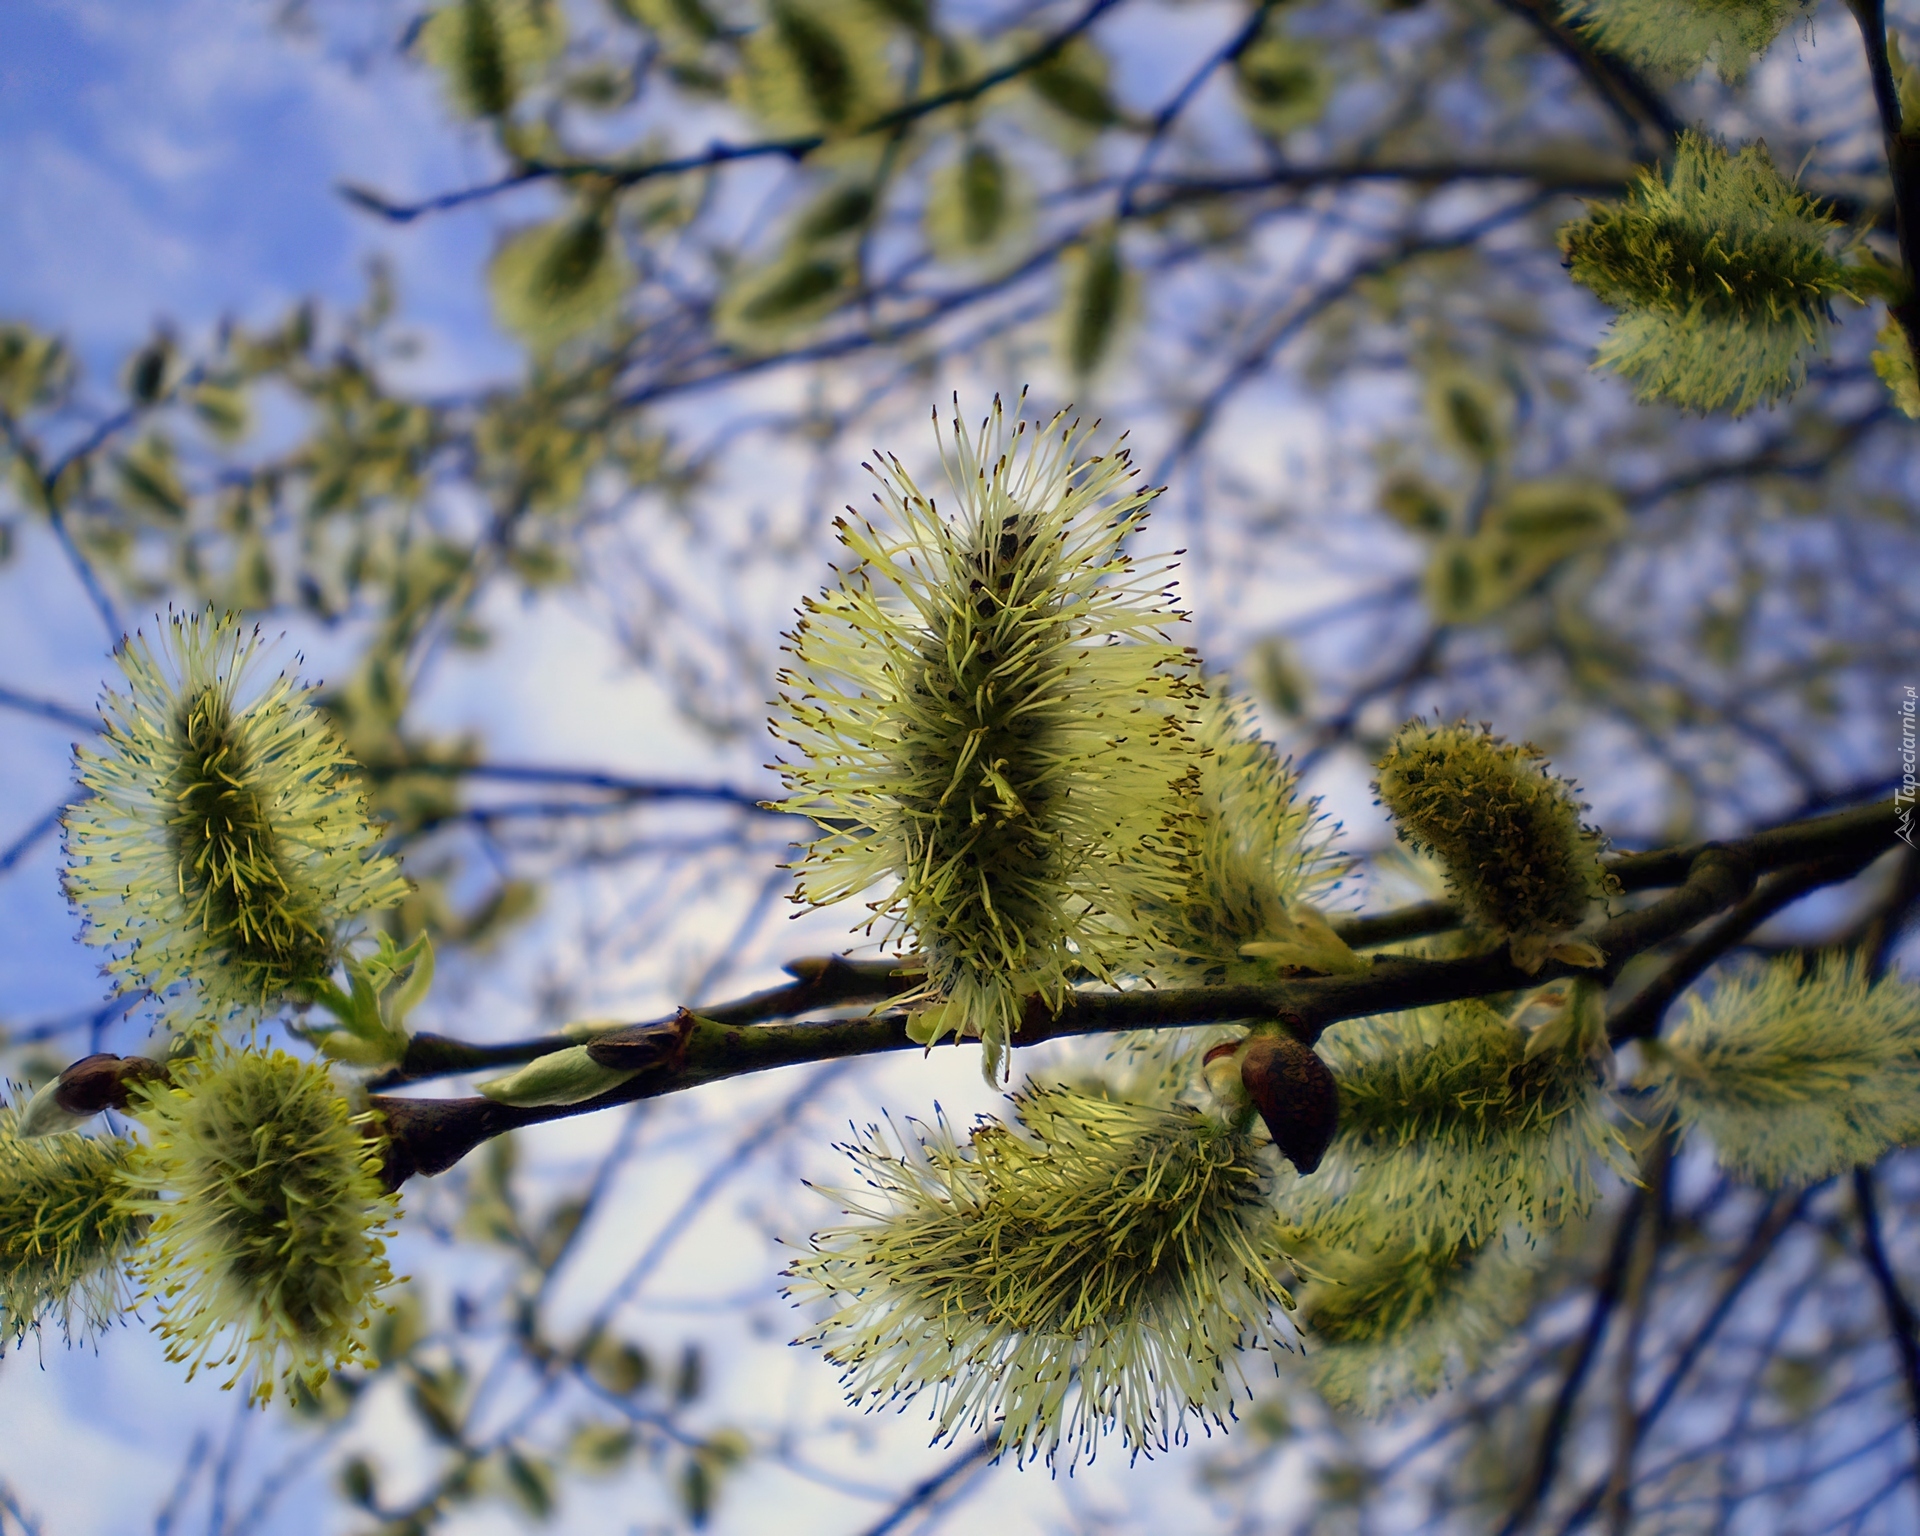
(689, 1381)
(531, 1481)
(764, 307)
(1416, 505)
(556, 281)
(1468, 413)
(34, 369)
(1095, 303)
(570, 1076)
(619, 1367)
(842, 211)
(1278, 680)
(488, 50)
(1282, 85)
(150, 480)
(814, 66)
(147, 372)
(1073, 81)
(357, 1484)
(597, 1447)
(970, 203)
(223, 409)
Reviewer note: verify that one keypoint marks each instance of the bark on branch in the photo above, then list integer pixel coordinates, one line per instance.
(431, 1135)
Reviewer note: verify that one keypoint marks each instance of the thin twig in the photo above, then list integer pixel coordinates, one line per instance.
(1900, 1318)
(1639, 1017)
(1637, 1294)
(793, 147)
(47, 709)
(25, 843)
(1606, 1295)
(924, 1493)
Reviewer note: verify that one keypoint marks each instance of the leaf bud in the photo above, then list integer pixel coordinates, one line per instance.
(91, 1084)
(560, 1077)
(1295, 1094)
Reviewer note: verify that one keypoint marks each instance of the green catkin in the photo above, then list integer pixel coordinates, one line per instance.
(987, 712)
(1795, 1074)
(1507, 832)
(225, 843)
(64, 1237)
(269, 1219)
(1384, 1324)
(1676, 37)
(1723, 275)
(1453, 1129)
(1257, 849)
(1094, 1266)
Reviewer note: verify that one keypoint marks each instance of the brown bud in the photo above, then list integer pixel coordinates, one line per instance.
(101, 1081)
(662, 1043)
(1295, 1094)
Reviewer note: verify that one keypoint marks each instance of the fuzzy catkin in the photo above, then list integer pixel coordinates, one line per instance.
(65, 1238)
(1094, 1267)
(270, 1218)
(1450, 1129)
(225, 842)
(1677, 36)
(1507, 832)
(1793, 1074)
(1723, 273)
(989, 714)
(1256, 847)
(1388, 1323)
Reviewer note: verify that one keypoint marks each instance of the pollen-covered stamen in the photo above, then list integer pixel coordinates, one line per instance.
(225, 843)
(989, 712)
(224, 847)
(269, 1218)
(1099, 1265)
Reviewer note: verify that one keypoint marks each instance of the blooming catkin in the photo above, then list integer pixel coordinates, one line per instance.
(269, 1215)
(1795, 1075)
(1508, 832)
(225, 840)
(1722, 272)
(1097, 1266)
(1256, 848)
(64, 1234)
(990, 720)
(1452, 1128)
(1399, 1320)
(1677, 36)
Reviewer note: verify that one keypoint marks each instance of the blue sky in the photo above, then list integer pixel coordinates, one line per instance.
(178, 158)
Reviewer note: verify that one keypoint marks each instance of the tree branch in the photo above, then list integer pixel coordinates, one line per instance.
(431, 1135)
(1639, 1018)
(1546, 1457)
(1637, 1293)
(1900, 1318)
(1635, 103)
(794, 147)
(1903, 162)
